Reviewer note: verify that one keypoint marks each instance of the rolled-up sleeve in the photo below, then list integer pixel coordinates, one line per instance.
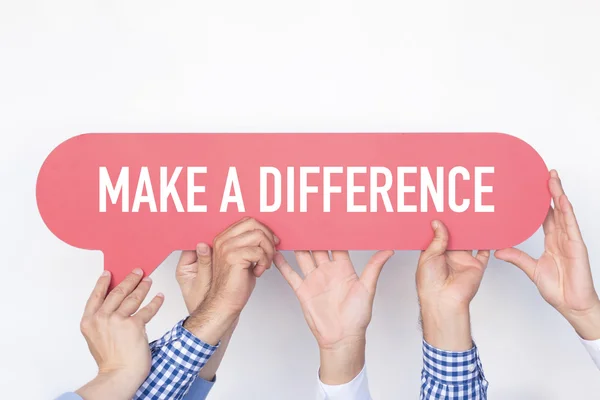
(452, 375)
(177, 358)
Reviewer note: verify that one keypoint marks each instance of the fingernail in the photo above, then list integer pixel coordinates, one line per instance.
(434, 224)
(105, 273)
(276, 239)
(202, 248)
(147, 279)
(138, 271)
(159, 294)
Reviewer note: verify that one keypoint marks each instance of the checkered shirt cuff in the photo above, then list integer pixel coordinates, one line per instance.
(452, 375)
(177, 358)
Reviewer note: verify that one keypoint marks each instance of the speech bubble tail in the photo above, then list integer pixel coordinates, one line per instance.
(121, 263)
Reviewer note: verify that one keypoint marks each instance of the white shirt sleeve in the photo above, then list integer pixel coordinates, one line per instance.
(356, 389)
(593, 347)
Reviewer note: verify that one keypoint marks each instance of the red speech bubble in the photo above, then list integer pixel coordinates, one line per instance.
(138, 197)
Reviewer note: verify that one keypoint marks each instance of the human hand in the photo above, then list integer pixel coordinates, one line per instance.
(194, 274)
(241, 253)
(562, 274)
(337, 306)
(115, 332)
(447, 281)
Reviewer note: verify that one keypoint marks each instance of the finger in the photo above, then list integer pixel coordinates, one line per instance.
(571, 225)
(439, 244)
(251, 257)
(340, 255)
(305, 261)
(288, 273)
(321, 257)
(549, 224)
(370, 274)
(123, 289)
(98, 294)
(244, 225)
(187, 257)
(556, 189)
(483, 256)
(149, 311)
(519, 258)
(132, 302)
(203, 255)
(253, 238)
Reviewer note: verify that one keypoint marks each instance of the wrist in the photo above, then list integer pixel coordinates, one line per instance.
(112, 384)
(586, 323)
(446, 327)
(211, 321)
(342, 362)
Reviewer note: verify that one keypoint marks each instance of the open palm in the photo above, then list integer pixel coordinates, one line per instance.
(562, 274)
(336, 302)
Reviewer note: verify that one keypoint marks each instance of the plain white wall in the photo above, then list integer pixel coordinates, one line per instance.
(529, 68)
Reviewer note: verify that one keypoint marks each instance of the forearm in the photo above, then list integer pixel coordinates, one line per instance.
(342, 363)
(450, 359)
(177, 358)
(446, 328)
(586, 323)
(209, 371)
(210, 323)
(587, 326)
(108, 387)
(342, 374)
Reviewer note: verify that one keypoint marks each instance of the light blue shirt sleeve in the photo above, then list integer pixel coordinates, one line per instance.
(199, 389)
(69, 396)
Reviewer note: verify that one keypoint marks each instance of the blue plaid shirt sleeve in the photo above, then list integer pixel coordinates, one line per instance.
(177, 358)
(452, 375)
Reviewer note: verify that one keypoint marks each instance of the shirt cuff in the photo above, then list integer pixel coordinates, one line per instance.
(593, 347)
(452, 368)
(177, 358)
(356, 389)
(69, 396)
(199, 389)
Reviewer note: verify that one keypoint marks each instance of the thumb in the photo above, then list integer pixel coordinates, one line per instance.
(204, 255)
(439, 244)
(518, 258)
(370, 274)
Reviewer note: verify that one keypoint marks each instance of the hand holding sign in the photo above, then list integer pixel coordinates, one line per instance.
(138, 197)
(563, 274)
(241, 254)
(447, 282)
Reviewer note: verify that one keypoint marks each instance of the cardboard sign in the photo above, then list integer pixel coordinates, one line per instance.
(138, 197)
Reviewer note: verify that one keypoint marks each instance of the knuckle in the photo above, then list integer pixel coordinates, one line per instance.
(97, 295)
(260, 253)
(85, 325)
(99, 318)
(135, 297)
(231, 257)
(118, 291)
(259, 232)
(113, 318)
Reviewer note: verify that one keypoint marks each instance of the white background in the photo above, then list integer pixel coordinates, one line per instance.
(529, 68)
